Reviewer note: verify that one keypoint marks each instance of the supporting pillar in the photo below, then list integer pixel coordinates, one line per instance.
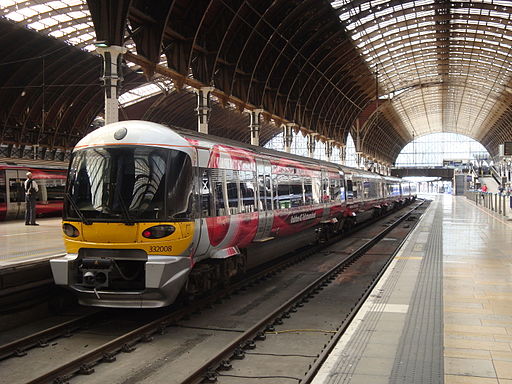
(203, 108)
(329, 145)
(255, 126)
(360, 160)
(311, 144)
(343, 154)
(288, 136)
(112, 78)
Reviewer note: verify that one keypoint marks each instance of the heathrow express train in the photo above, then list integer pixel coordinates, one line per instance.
(152, 211)
(49, 200)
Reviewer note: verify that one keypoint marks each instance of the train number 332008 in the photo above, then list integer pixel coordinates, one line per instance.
(160, 248)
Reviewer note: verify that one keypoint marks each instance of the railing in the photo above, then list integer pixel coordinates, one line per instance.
(496, 202)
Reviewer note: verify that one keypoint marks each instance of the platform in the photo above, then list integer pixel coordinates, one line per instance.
(443, 310)
(21, 244)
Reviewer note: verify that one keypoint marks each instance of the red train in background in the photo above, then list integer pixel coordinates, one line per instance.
(51, 182)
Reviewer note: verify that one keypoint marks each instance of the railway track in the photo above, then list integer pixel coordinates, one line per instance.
(172, 321)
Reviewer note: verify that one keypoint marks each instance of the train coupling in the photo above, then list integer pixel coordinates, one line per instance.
(96, 271)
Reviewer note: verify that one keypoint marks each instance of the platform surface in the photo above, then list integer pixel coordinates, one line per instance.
(442, 312)
(21, 244)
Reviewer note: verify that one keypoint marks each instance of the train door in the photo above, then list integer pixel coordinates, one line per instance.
(265, 198)
(15, 193)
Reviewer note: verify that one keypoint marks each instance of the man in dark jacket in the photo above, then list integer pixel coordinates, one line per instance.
(31, 189)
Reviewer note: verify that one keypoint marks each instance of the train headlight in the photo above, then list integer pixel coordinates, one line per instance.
(70, 230)
(158, 231)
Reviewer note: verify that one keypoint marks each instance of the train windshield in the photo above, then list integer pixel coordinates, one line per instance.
(128, 184)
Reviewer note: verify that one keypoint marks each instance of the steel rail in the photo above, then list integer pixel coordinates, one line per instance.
(310, 374)
(19, 346)
(125, 343)
(208, 369)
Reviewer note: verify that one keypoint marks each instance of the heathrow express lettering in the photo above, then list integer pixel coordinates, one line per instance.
(302, 217)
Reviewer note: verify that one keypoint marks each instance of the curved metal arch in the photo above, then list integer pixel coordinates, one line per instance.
(224, 40)
(20, 75)
(317, 84)
(198, 28)
(143, 38)
(306, 44)
(251, 37)
(277, 59)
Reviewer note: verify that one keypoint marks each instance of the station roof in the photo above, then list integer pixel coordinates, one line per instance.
(386, 71)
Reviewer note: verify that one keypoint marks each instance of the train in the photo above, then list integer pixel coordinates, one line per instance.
(50, 198)
(152, 212)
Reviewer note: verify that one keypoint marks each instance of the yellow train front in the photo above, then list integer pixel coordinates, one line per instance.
(127, 228)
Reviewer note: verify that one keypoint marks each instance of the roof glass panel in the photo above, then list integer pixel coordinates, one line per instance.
(444, 65)
(52, 18)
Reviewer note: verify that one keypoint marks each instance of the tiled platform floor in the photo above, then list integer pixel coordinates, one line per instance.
(443, 310)
(20, 243)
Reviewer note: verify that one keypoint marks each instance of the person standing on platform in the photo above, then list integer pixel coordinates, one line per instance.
(31, 189)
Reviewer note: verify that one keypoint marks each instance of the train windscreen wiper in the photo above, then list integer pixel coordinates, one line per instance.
(77, 210)
(129, 220)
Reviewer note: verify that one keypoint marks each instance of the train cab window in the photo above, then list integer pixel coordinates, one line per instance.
(130, 183)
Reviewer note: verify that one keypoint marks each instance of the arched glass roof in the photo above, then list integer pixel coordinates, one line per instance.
(445, 65)
(437, 148)
(441, 66)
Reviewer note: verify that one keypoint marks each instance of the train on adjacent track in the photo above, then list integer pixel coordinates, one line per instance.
(49, 200)
(151, 211)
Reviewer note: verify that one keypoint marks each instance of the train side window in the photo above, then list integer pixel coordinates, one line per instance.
(16, 191)
(308, 191)
(283, 191)
(325, 191)
(247, 191)
(355, 189)
(205, 193)
(350, 189)
(3, 188)
(232, 190)
(337, 190)
(55, 189)
(217, 177)
(317, 184)
(296, 191)
(265, 192)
